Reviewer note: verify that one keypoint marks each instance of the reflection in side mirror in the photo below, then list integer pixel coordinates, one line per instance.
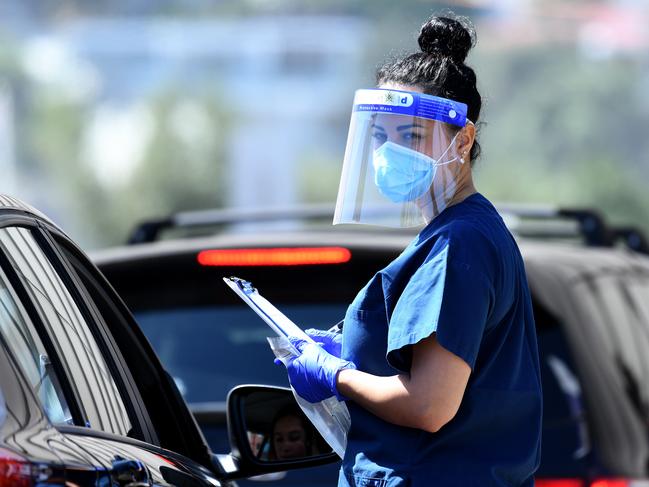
(278, 430)
(268, 434)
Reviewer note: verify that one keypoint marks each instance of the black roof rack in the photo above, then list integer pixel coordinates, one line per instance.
(148, 231)
(633, 238)
(546, 221)
(590, 223)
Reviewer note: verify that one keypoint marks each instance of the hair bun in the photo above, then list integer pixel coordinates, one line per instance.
(448, 37)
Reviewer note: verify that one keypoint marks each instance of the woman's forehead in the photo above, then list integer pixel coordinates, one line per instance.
(392, 121)
(288, 422)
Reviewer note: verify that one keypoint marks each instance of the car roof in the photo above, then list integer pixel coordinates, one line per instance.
(565, 255)
(11, 203)
(551, 269)
(573, 260)
(388, 241)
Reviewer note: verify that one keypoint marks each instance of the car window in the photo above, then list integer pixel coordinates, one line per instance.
(612, 303)
(158, 412)
(26, 349)
(602, 305)
(76, 346)
(621, 306)
(566, 444)
(210, 349)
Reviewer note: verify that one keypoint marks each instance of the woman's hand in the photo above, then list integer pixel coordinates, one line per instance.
(331, 341)
(313, 373)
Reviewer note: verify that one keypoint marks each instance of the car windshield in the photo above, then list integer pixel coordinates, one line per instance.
(210, 349)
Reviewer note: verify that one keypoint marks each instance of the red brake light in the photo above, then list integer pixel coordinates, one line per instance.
(558, 483)
(580, 483)
(275, 257)
(610, 483)
(15, 471)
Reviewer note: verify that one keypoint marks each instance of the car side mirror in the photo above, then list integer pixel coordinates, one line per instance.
(269, 432)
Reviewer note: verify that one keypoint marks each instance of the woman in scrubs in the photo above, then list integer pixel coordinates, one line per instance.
(439, 361)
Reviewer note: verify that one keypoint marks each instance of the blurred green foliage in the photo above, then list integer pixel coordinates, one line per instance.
(178, 172)
(565, 129)
(174, 174)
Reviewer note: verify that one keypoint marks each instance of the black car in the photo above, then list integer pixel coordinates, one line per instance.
(83, 398)
(590, 293)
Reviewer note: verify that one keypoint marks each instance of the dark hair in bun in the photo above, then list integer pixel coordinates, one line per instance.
(447, 37)
(439, 68)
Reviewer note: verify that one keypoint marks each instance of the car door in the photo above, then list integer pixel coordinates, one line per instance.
(593, 337)
(106, 417)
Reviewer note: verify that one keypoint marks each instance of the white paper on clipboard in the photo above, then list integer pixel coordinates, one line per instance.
(273, 317)
(330, 417)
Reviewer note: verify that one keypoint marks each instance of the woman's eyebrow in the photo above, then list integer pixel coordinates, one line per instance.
(410, 126)
(374, 126)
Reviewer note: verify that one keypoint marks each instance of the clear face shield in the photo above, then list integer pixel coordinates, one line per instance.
(401, 166)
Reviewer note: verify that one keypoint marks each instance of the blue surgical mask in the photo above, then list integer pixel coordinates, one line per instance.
(402, 174)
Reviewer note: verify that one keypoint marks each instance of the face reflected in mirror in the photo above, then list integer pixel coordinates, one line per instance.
(277, 430)
(290, 438)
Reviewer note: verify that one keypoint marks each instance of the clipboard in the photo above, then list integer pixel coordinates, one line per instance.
(330, 417)
(278, 321)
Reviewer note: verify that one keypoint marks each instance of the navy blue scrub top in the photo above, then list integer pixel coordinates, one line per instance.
(462, 278)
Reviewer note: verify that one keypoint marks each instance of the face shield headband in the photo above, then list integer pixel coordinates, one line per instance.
(400, 162)
(414, 104)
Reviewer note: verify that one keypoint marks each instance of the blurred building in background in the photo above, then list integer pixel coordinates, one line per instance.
(277, 83)
(280, 80)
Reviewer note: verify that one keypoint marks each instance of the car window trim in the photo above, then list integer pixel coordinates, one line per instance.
(70, 393)
(209, 475)
(95, 433)
(111, 353)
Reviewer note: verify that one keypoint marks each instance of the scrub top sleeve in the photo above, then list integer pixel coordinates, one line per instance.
(448, 297)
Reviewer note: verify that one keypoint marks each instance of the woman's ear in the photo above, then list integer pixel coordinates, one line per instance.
(465, 139)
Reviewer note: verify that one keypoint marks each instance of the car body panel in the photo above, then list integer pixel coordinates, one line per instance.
(607, 290)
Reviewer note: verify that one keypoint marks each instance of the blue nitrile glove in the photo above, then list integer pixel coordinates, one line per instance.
(313, 373)
(331, 341)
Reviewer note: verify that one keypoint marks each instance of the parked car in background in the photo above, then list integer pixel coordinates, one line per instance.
(590, 289)
(84, 400)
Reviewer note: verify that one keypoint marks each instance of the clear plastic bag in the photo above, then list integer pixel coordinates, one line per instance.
(330, 417)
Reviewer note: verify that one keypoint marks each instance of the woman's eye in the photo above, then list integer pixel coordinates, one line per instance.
(380, 137)
(412, 137)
